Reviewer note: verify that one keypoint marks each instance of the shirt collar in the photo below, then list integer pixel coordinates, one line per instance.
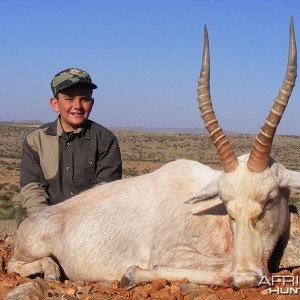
(55, 128)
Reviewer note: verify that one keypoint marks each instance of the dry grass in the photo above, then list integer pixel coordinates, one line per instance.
(141, 152)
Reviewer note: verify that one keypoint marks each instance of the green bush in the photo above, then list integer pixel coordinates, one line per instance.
(12, 211)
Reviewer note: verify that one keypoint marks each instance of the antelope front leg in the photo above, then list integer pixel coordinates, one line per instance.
(44, 265)
(135, 276)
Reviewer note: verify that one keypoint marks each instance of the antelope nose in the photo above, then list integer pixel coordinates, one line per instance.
(245, 280)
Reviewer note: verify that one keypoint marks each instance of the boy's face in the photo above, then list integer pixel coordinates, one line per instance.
(74, 105)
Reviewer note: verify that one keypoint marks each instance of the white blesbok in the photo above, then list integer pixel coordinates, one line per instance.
(145, 223)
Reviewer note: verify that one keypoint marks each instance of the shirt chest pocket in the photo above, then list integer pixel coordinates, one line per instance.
(84, 171)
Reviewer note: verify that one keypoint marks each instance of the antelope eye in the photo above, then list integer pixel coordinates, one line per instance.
(269, 205)
(261, 215)
(231, 218)
(255, 220)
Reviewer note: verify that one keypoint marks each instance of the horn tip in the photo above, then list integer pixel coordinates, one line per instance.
(292, 25)
(205, 30)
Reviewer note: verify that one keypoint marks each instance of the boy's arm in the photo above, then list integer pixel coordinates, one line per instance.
(109, 164)
(33, 195)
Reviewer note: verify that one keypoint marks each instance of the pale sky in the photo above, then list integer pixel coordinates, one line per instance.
(145, 56)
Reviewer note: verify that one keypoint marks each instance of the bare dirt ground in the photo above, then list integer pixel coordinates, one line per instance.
(142, 153)
(13, 287)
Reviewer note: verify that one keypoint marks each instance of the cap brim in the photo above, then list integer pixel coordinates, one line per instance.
(90, 85)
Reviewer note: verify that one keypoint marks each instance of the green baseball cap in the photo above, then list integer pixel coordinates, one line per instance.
(69, 77)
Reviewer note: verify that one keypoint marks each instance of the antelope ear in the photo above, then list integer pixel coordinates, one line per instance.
(290, 179)
(209, 192)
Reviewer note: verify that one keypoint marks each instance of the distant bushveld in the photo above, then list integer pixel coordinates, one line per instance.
(192, 130)
(21, 122)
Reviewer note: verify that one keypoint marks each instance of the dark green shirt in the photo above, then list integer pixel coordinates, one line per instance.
(56, 165)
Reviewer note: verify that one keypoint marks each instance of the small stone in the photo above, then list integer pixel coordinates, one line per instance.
(177, 295)
(163, 293)
(158, 284)
(83, 289)
(148, 288)
(71, 291)
(105, 285)
(104, 297)
(140, 291)
(264, 292)
(175, 288)
(77, 283)
(212, 297)
(67, 283)
(192, 288)
(35, 289)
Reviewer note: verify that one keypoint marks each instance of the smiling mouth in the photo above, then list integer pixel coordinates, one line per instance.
(77, 113)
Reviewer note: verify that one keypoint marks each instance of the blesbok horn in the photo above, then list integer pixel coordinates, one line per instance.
(260, 153)
(225, 152)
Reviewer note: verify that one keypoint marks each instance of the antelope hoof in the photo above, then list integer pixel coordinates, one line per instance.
(127, 281)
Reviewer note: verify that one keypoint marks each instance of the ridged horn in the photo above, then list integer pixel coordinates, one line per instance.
(260, 153)
(225, 152)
